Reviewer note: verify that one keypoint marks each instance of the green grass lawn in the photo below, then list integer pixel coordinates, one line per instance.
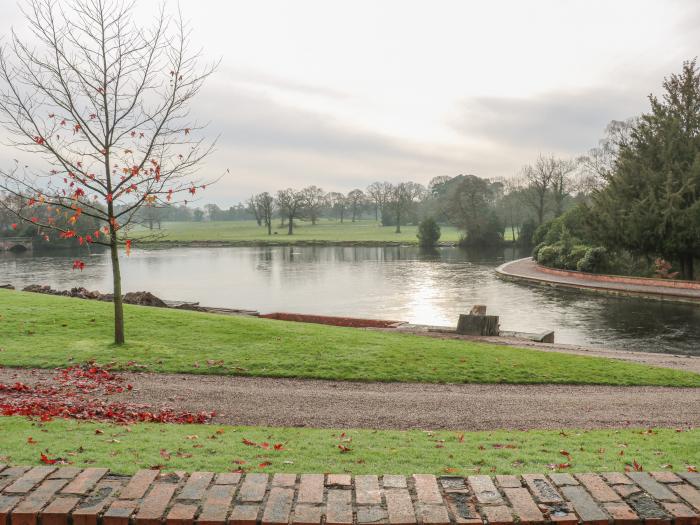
(221, 448)
(46, 331)
(325, 230)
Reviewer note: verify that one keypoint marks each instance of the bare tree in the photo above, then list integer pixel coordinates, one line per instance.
(290, 204)
(252, 207)
(599, 163)
(338, 203)
(539, 178)
(402, 197)
(265, 203)
(378, 193)
(315, 202)
(355, 199)
(564, 183)
(104, 103)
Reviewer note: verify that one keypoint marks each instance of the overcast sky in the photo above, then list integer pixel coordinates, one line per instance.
(343, 93)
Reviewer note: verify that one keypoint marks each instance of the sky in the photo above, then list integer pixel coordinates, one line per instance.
(341, 93)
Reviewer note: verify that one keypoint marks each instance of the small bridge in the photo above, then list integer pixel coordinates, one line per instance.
(15, 244)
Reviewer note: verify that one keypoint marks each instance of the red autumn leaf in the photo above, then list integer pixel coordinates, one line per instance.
(691, 468)
(128, 247)
(164, 454)
(14, 225)
(78, 265)
(47, 460)
(31, 441)
(637, 467)
(279, 446)
(265, 464)
(460, 438)
(249, 442)
(343, 448)
(564, 453)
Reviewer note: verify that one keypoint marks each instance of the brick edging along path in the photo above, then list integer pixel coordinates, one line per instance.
(61, 496)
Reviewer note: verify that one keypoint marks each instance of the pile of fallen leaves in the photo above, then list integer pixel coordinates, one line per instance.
(79, 392)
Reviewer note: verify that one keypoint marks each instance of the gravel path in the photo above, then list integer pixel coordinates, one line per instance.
(331, 404)
(527, 270)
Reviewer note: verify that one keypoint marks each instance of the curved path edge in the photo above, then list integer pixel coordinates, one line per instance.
(529, 272)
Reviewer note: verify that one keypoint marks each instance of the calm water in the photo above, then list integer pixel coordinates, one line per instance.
(388, 283)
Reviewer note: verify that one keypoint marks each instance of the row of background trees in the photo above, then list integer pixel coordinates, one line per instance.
(482, 208)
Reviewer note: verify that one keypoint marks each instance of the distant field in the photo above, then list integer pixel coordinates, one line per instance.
(324, 231)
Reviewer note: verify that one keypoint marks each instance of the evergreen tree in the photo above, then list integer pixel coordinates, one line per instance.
(651, 203)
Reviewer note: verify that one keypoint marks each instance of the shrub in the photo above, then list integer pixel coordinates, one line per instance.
(547, 255)
(428, 232)
(594, 261)
(536, 250)
(575, 255)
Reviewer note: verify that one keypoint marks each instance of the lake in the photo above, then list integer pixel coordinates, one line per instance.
(398, 283)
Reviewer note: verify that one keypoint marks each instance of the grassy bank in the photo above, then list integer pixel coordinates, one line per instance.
(46, 331)
(221, 448)
(364, 231)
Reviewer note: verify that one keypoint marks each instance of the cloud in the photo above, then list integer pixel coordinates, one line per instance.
(559, 121)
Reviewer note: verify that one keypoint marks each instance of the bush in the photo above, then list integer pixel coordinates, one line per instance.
(548, 255)
(428, 232)
(536, 250)
(594, 261)
(575, 255)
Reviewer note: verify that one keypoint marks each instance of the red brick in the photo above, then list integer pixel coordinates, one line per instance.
(484, 490)
(181, 514)
(58, 511)
(339, 507)
(307, 515)
(7, 503)
(655, 489)
(427, 489)
(367, 490)
(342, 480)
(510, 482)
(597, 487)
(689, 494)
(524, 507)
(85, 481)
(691, 477)
(587, 509)
(244, 515)
(433, 514)
(278, 506)
(666, 477)
(103, 495)
(284, 480)
(462, 509)
(27, 512)
(137, 487)
(311, 488)
(228, 478)
(392, 481)
(400, 507)
(498, 515)
(626, 490)
(29, 479)
(682, 514)
(196, 485)
(617, 478)
(65, 473)
(542, 489)
(621, 513)
(216, 505)
(371, 515)
(562, 479)
(253, 488)
(155, 504)
(10, 475)
(119, 512)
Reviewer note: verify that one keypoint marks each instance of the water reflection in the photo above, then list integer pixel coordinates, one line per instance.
(402, 283)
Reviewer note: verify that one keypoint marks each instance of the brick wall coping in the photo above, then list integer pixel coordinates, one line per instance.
(47, 495)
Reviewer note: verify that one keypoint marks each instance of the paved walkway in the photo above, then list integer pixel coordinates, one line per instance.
(527, 270)
(93, 496)
(341, 404)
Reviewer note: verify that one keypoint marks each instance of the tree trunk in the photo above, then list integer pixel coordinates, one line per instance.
(117, 281)
(290, 225)
(376, 213)
(398, 220)
(269, 226)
